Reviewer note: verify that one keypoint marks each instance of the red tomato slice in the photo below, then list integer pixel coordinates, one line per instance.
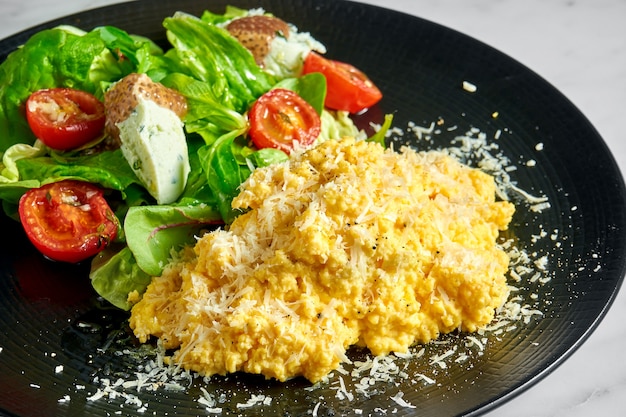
(68, 221)
(65, 118)
(348, 88)
(279, 118)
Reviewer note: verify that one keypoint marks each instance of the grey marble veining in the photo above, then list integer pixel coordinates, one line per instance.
(580, 47)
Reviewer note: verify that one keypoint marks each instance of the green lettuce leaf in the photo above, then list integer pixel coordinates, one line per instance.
(137, 49)
(311, 87)
(9, 172)
(152, 232)
(197, 190)
(114, 275)
(230, 13)
(266, 157)
(379, 136)
(336, 125)
(109, 169)
(66, 56)
(224, 174)
(207, 116)
(210, 54)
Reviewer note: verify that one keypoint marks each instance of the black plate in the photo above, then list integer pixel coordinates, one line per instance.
(50, 317)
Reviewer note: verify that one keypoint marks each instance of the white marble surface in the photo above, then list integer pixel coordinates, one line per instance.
(580, 47)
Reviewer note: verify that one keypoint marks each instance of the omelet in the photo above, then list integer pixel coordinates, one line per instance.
(347, 243)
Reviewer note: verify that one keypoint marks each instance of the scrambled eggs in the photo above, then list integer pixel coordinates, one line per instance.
(344, 244)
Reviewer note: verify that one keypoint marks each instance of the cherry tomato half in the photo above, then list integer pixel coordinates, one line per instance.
(279, 118)
(348, 88)
(68, 220)
(64, 118)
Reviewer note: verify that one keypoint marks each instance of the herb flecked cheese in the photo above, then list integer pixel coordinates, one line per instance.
(154, 144)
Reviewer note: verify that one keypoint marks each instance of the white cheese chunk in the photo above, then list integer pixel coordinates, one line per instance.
(154, 144)
(286, 55)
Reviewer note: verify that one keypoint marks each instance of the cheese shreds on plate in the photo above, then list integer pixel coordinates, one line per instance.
(345, 244)
(371, 374)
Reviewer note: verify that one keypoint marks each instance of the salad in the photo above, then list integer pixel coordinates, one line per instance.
(79, 195)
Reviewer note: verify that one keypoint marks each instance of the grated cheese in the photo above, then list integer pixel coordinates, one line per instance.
(65, 399)
(367, 376)
(398, 398)
(469, 87)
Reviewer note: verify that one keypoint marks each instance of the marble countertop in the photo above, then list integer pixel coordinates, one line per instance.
(580, 47)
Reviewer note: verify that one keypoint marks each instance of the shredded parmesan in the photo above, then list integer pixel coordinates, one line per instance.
(469, 87)
(355, 380)
(398, 399)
